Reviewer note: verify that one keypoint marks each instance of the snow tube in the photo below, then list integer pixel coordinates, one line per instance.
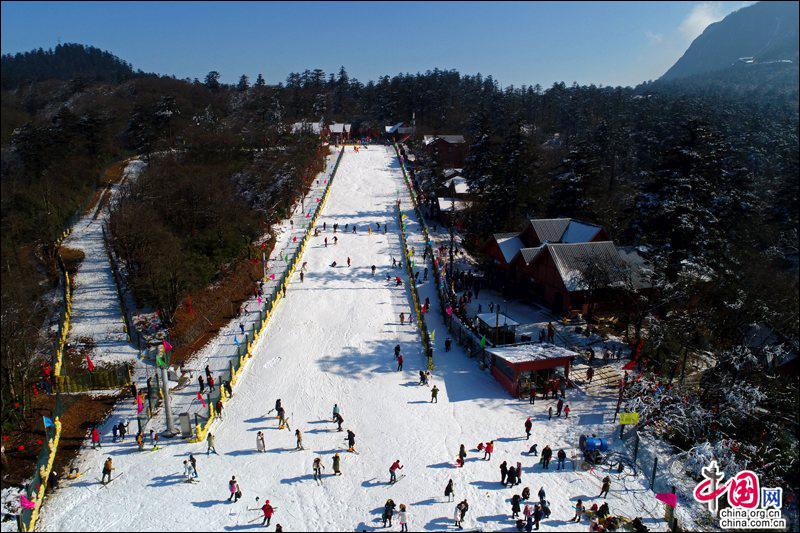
(594, 443)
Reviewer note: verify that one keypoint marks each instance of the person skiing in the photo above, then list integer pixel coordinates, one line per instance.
(260, 446)
(299, 436)
(236, 492)
(108, 466)
(318, 468)
(515, 508)
(388, 512)
(351, 441)
(562, 456)
(393, 471)
(336, 464)
(448, 491)
(373, 269)
(503, 473)
(528, 427)
(281, 418)
(209, 443)
(338, 419)
(487, 455)
(348, 261)
(268, 511)
(435, 394)
(403, 516)
(400, 362)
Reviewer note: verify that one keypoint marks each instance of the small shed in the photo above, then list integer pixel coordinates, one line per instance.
(500, 328)
(517, 367)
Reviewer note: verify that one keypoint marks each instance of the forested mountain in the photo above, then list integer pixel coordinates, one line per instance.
(65, 62)
(761, 33)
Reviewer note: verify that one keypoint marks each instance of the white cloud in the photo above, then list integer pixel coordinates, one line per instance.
(705, 13)
(654, 38)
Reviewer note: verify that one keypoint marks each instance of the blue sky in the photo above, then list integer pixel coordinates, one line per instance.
(608, 43)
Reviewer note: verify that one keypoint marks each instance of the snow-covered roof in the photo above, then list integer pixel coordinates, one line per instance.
(529, 254)
(490, 319)
(509, 244)
(392, 129)
(451, 172)
(566, 230)
(459, 184)
(338, 127)
(524, 353)
(447, 204)
(579, 232)
(571, 260)
(452, 139)
(315, 127)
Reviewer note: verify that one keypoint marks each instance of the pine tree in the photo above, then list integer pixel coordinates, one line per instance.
(212, 81)
(260, 81)
(244, 83)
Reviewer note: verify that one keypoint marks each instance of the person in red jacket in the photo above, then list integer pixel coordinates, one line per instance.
(400, 362)
(487, 454)
(268, 511)
(566, 411)
(95, 438)
(393, 471)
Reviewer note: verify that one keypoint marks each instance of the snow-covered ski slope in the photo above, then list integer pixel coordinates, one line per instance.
(331, 341)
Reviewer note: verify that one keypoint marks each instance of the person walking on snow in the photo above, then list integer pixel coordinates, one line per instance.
(299, 436)
(487, 455)
(605, 488)
(566, 411)
(400, 362)
(462, 453)
(559, 406)
(233, 488)
(210, 444)
(435, 394)
(202, 385)
(336, 464)
(351, 440)
(260, 446)
(503, 473)
(562, 456)
(348, 261)
(301, 276)
(318, 468)
(511, 480)
(393, 471)
(326, 242)
(373, 270)
(515, 508)
(268, 511)
(448, 491)
(528, 427)
(402, 318)
(188, 471)
(95, 438)
(388, 512)
(519, 473)
(461, 512)
(403, 516)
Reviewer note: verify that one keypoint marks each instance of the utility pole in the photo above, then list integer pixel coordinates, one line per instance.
(452, 240)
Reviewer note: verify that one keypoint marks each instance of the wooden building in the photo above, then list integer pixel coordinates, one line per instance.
(450, 150)
(516, 367)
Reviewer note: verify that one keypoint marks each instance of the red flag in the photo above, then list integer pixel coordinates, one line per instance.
(630, 365)
(167, 346)
(89, 363)
(200, 397)
(668, 498)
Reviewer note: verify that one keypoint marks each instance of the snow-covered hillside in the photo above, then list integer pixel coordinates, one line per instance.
(331, 341)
